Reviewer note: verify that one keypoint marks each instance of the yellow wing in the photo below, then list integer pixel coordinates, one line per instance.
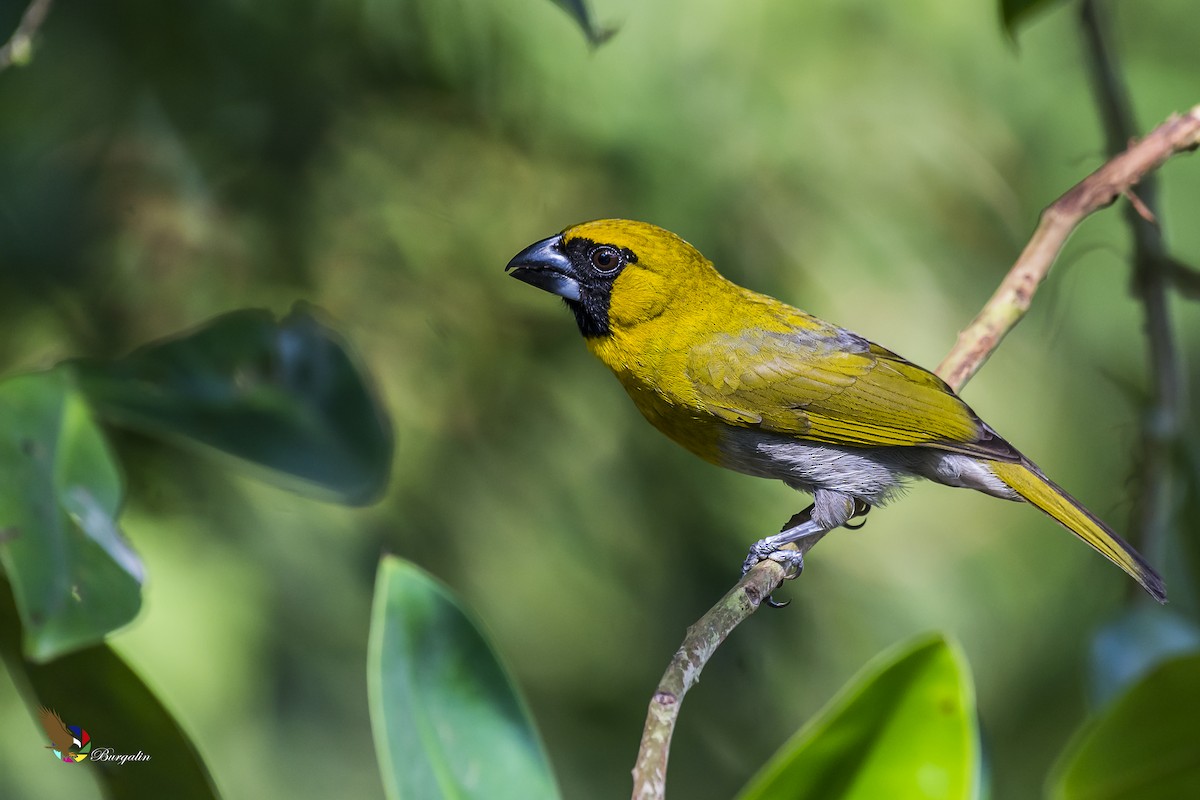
(56, 730)
(815, 381)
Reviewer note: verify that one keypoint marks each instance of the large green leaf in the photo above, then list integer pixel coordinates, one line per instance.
(284, 395)
(1146, 746)
(96, 690)
(73, 576)
(448, 721)
(903, 728)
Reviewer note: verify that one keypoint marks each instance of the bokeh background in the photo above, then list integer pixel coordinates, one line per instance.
(879, 164)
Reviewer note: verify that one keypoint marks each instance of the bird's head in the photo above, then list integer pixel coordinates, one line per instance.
(614, 273)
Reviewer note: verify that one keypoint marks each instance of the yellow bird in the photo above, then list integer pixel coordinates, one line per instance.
(749, 383)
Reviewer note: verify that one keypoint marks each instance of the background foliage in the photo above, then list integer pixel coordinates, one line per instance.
(878, 164)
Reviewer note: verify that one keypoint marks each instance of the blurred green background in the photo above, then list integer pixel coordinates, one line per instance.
(879, 164)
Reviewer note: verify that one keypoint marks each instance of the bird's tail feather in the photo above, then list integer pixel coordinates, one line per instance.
(1027, 480)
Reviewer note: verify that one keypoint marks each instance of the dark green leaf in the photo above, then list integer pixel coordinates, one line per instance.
(1014, 12)
(1144, 747)
(448, 720)
(904, 727)
(283, 395)
(579, 11)
(94, 689)
(73, 575)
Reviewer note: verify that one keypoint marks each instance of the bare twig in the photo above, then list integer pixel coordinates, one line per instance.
(1186, 279)
(17, 48)
(1152, 273)
(974, 345)
(1011, 300)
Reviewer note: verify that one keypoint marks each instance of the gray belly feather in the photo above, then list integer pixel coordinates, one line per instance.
(872, 474)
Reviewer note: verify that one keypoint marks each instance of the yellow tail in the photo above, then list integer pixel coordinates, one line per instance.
(1027, 481)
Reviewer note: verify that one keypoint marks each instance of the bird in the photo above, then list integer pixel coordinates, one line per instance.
(57, 731)
(750, 383)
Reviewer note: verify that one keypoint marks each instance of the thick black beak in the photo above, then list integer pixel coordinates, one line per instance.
(544, 265)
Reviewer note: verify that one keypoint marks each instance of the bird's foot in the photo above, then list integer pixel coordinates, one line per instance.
(766, 549)
(793, 565)
(800, 526)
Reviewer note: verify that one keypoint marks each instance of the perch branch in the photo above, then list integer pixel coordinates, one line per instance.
(975, 343)
(701, 641)
(17, 48)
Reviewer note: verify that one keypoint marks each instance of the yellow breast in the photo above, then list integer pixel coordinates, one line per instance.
(650, 362)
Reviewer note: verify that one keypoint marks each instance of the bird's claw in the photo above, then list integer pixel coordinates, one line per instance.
(861, 509)
(775, 548)
(792, 562)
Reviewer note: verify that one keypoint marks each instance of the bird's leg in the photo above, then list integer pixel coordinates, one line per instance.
(830, 510)
(795, 529)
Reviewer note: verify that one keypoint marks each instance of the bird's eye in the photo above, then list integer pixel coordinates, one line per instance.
(606, 259)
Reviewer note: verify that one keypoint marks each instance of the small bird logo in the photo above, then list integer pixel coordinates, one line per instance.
(66, 743)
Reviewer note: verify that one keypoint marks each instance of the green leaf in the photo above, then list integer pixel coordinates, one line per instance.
(448, 720)
(283, 395)
(96, 690)
(1014, 12)
(1144, 747)
(903, 728)
(73, 575)
(579, 11)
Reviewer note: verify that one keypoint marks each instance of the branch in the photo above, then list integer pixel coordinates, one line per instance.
(19, 45)
(1185, 278)
(701, 641)
(1100, 189)
(1006, 307)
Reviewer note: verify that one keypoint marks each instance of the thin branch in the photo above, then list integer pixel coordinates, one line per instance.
(1152, 273)
(18, 46)
(701, 641)
(1006, 307)
(1100, 189)
(1112, 99)
(1186, 279)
